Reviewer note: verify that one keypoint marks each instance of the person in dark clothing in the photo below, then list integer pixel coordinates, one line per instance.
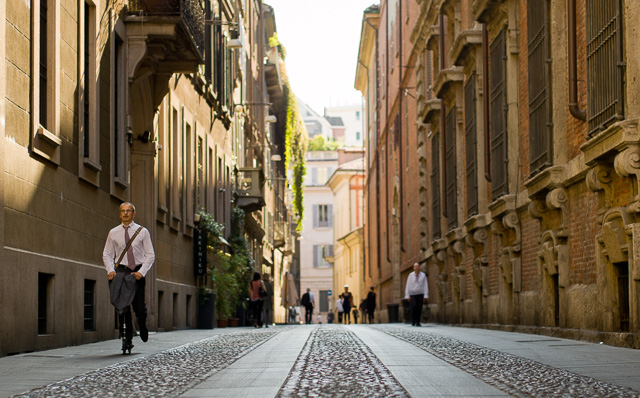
(347, 304)
(371, 304)
(257, 302)
(308, 301)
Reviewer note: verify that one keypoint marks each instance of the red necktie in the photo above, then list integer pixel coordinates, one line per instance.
(130, 260)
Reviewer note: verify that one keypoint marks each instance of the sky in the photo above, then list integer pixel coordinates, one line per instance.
(322, 38)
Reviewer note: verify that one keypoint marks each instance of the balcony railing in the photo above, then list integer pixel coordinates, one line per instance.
(191, 12)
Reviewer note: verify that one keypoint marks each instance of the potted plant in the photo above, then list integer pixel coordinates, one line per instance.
(225, 285)
(206, 300)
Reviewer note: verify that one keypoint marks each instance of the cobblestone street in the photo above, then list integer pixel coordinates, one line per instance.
(329, 361)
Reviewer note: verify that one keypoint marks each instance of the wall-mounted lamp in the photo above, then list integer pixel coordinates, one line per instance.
(276, 158)
(271, 119)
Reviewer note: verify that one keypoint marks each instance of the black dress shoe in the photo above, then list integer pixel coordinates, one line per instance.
(418, 325)
(144, 333)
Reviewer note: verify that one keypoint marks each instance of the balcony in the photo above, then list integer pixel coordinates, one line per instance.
(165, 36)
(466, 46)
(447, 80)
(249, 195)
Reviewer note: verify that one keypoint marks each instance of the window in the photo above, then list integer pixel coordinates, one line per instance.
(319, 254)
(540, 127)
(451, 169)
(163, 169)
(120, 151)
(357, 136)
(605, 60)
(322, 216)
(45, 303)
(471, 145)
(176, 312)
(89, 138)
(190, 207)
(200, 184)
(498, 115)
(319, 175)
(324, 300)
(188, 309)
(435, 186)
(176, 166)
(357, 115)
(45, 84)
(89, 305)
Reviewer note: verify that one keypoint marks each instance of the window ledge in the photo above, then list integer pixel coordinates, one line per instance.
(121, 183)
(49, 137)
(615, 139)
(93, 165)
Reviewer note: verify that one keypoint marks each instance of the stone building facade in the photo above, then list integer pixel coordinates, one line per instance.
(104, 102)
(386, 77)
(527, 156)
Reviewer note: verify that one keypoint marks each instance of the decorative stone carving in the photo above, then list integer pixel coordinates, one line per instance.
(554, 256)
(599, 179)
(627, 163)
(537, 208)
(614, 239)
(557, 199)
(510, 265)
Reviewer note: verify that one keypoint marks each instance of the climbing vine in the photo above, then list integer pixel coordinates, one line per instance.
(296, 138)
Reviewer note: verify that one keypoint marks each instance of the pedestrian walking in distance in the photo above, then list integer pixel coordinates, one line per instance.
(347, 304)
(137, 261)
(308, 301)
(371, 304)
(256, 287)
(417, 291)
(340, 308)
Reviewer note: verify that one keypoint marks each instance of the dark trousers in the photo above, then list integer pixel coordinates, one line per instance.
(138, 305)
(308, 314)
(347, 315)
(370, 313)
(416, 308)
(256, 307)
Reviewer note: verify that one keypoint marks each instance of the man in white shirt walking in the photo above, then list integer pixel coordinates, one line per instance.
(136, 261)
(417, 291)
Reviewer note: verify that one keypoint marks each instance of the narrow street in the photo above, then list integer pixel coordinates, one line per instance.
(391, 360)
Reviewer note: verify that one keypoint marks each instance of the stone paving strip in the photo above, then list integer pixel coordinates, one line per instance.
(168, 373)
(336, 363)
(512, 374)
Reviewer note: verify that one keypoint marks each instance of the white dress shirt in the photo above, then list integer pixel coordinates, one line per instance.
(142, 248)
(417, 285)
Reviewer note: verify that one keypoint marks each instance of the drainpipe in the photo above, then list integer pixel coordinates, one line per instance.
(443, 122)
(487, 103)
(574, 109)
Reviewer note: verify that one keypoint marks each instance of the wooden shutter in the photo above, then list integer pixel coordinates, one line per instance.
(329, 216)
(605, 64)
(316, 249)
(435, 186)
(315, 216)
(450, 164)
(540, 127)
(499, 159)
(471, 145)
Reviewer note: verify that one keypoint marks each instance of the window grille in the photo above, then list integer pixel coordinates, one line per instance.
(471, 145)
(435, 186)
(450, 165)
(540, 125)
(498, 107)
(605, 64)
(89, 305)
